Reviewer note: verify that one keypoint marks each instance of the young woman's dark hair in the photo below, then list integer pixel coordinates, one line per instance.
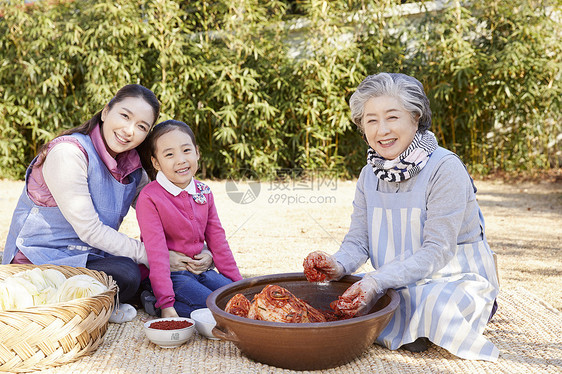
(130, 90)
(148, 148)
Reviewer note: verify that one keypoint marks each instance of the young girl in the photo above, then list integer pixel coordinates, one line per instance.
(177, 212)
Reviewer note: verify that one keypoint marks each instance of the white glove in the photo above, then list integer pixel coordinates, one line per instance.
(360, 297)
(320, 266)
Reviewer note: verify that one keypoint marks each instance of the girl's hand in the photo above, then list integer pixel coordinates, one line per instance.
(320, 266)
(200, 263)
(178, 261)
(169, 312)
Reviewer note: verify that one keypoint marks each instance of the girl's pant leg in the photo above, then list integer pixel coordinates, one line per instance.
(190, 293)
(213, 280)
(123, 270)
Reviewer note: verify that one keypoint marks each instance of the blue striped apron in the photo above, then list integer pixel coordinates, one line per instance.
(42, 233)
(452, 306)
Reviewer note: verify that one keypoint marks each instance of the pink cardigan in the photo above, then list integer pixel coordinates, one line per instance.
(178, 223)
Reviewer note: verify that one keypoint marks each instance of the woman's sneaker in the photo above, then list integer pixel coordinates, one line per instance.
(123, 313)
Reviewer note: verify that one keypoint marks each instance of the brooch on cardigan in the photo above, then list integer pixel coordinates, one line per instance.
(200, 197)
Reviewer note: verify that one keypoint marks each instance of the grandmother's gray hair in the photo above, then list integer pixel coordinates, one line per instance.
(405, 88)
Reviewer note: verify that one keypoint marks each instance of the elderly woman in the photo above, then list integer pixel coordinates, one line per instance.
(415, 216)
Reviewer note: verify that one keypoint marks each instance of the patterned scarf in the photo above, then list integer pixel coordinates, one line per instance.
(409, 163)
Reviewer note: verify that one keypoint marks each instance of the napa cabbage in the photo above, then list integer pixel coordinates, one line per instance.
(41, 287)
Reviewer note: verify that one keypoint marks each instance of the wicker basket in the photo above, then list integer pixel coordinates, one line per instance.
(50, 335)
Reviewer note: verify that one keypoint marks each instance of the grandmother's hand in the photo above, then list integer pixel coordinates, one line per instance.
(200, 262)
(178, 261)
(359, 298)
(320, 266)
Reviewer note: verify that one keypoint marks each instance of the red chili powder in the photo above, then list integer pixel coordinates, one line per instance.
(170, 325)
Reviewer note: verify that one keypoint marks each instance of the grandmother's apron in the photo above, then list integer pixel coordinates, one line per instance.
(453, 305)
(44, 236)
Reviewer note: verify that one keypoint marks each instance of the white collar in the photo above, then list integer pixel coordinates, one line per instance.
(172, 188)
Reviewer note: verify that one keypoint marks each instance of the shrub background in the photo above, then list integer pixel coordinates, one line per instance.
(265, 84)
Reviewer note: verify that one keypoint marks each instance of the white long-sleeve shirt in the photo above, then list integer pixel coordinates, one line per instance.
(65, 171)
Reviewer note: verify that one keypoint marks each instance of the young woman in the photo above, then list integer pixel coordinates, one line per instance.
(415, 216)
(177, 212)
(79, 189)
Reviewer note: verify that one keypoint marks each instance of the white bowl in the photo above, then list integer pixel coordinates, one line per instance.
(204, 322)
(169, 338)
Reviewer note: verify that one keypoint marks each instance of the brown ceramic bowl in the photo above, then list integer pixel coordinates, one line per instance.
(300, 346)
